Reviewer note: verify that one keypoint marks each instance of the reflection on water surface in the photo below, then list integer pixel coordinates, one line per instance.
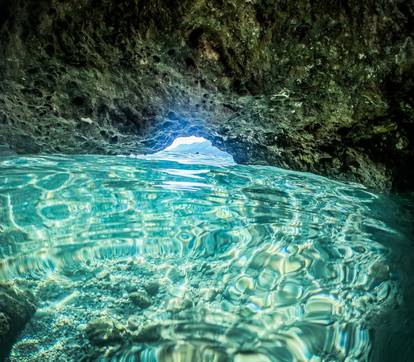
(156, 260)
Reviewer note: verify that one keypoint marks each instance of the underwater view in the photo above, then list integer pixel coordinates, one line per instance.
(206, 181)
(185, 255)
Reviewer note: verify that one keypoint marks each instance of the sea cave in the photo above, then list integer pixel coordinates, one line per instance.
(206, 180)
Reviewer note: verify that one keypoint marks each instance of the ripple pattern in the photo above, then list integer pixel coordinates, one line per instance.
(277, 265)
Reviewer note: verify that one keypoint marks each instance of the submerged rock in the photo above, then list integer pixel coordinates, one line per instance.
(16, 307)
(140, 299)
(4, 325)
(147, 333)
(178, 304)
(152, 288)
(103, 332)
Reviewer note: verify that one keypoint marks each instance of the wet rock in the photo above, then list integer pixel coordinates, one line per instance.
(102, 275)
(152, 288)
(16, 307)
(209, 294)
(380, 271)
(293, 85)
(178, 304)
(140, 299)
(148, 333)
(134, 323)
(4, 325)
(103, 332)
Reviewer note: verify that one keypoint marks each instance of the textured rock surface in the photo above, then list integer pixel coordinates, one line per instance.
(298, 84)
(102, 332)
(16, 307)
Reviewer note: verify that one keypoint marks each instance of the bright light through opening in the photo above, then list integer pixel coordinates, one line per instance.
(192, 150)
(185, 141)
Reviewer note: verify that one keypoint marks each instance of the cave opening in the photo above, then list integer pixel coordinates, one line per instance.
(199, 180)
(192, 149)
(192, 141)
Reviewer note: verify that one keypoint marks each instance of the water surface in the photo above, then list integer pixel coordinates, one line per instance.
(249, 263)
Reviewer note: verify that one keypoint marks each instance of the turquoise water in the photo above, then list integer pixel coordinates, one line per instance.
(150, 259)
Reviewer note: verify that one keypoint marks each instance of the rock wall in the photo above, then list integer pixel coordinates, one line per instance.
(320, 86)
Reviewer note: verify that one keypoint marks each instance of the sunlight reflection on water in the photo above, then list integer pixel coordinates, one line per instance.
(254, 263)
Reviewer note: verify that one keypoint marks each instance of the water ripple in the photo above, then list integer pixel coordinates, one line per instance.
(271, 265)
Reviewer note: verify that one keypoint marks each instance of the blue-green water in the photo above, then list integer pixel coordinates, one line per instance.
(247, 263)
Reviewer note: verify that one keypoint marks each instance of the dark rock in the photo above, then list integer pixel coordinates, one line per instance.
(103, 332)
(140, 299)
(152, 288)
(16, 308)
(147, 334)
(325, 88)
(4, 325)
